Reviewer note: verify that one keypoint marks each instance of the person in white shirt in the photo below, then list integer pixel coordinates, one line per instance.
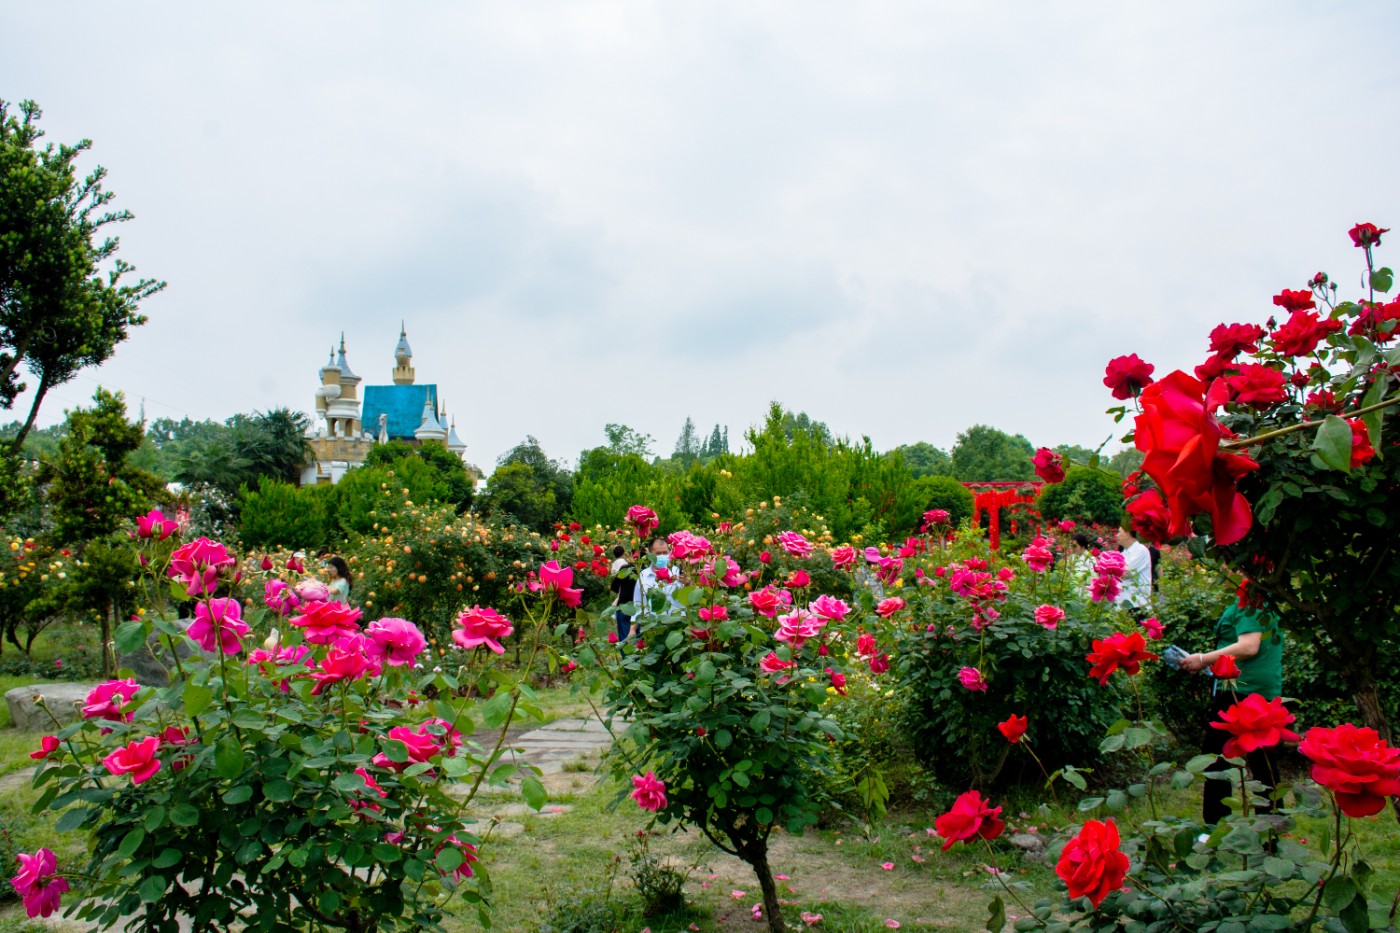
(1137, 573)
(658, 573)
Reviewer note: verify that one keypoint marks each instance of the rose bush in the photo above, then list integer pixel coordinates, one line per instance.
(291, 777)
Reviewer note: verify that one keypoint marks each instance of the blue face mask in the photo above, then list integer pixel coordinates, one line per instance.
(663, 561)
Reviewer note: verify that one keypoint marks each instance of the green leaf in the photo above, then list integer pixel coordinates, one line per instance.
(449, 859)
(1112, 743)
(167, 858)
(279, 791)
(1382, 279)
(760, 720)
(1200, 763)
(131, 842)
(1338, 893)
(1076, 780)
(1333, 444)
(1355, 917)
(494, 712)
(723, 738)
(184, 814)
(72, 819)
(152, 888)
(533, 791)
(240, 794)
(130, 637)
(1090, 803)
(996, 915)
(228, 758)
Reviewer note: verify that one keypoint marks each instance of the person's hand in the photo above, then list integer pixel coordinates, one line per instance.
(1193, 663)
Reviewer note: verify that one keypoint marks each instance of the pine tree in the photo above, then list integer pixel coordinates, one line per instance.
(687, 445)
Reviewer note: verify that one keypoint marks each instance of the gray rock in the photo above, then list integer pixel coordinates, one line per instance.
(1031, 844)
(63, 700)
(153, 665)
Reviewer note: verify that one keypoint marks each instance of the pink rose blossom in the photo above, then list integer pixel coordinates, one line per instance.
(838, 681)
(280, 597)
(772, 664)
(649, 791)
(880, 664)
(348, 659)
(843, 557)
(322, 623)
(889, 606)
(198, 563)
(865, 644)
(137, 759)
(37, 883)
(1153, 627)
(1038, 557)
(795, 544)
(396, 642)
(798, 626)
(1110, 564)
(218, 626)
(108, 700)
(686, 545)
(155, 525)
(312, 591)
(971, 678)
(557, 580)
(713, 614)
(48, 745)
(1049, 616)
(829, 608)
(643, 519)
(480, 626)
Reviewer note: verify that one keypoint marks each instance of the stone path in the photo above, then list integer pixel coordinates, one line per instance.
(550, 748)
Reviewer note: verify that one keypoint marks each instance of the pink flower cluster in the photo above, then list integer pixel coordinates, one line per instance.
(795, 544)
(198, 564)
(1038, 556)
(479, 626)
(1107, 585)
(38, 884)
(887, 569)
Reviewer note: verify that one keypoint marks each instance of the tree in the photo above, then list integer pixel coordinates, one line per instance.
(254, 448)
(1087, 496)
(985, 454)
(539, 496)
(688, 448)
(283, 515)
(1125, 461)
(924, 459)
(717, 444)
(624, 440)
(63, 306)
(946, 493)
(454, 484)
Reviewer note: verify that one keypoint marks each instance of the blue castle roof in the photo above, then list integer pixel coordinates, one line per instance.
(403, 405)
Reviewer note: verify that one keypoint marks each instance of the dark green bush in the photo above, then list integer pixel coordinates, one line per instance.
(1087, 496)
(944, 492)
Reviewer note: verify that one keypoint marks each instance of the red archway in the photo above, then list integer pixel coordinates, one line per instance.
(993, 497)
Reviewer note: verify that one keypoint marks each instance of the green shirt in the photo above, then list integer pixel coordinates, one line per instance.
(1263, 673)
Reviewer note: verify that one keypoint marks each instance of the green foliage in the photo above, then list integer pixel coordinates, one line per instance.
(358, 502)
(62, 304)
(254, 448)
(529, 488)
(924, 459)
(608, 483)
(454, 485)
(281, 514)
(985, 454)
(1087, 496)
(944, 492)
(89, 487)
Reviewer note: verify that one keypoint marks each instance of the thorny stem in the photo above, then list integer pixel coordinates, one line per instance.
(996, 873)
(1242, 442)
(1336, 864)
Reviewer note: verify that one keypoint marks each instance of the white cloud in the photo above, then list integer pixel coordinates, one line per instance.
(902, 217)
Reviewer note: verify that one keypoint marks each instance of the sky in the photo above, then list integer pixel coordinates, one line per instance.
(904, 218)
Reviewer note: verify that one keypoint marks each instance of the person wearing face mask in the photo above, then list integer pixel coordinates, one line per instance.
(657, 576)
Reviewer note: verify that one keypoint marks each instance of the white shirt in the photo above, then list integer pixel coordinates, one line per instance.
(1137, 576)
(646, 582)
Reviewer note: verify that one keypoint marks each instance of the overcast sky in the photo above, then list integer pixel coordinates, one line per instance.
(902, 217)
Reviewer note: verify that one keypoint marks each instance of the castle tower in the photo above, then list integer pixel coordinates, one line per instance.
(431, 429)
(338, 443)
(349, 401)
(328, 392)
(455, 443)
(403, 360)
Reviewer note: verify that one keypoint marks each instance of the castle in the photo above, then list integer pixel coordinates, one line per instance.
(340, 436)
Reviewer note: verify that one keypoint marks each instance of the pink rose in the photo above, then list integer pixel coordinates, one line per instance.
(1049, 616)
(772, 664)
(557, 580)
(108, 700)
(797, 627)
(198, 563)
(830, 608)
(396, 642)
(480, 626)
(865, 644)
(279, 597)
(323, 623)
(643, 519)
(137, 759)
(795, 544)
(155, 525)
(218, 626)
(971, 679)
(649, 791)
(889, 606)
(1037, 556)
(347, 659)
(843, 557)
(1153, 627)
(37, 883)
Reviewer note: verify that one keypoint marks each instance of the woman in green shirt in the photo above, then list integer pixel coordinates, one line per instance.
(1252, 637)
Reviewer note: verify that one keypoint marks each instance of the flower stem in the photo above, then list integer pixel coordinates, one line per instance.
(1242, 442)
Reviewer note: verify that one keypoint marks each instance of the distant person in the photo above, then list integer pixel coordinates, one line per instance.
(1137, 572)
(624, 587)
(1156, 554)
(657, 575)
(1252, 637)
(1080, 563)
(338, 583)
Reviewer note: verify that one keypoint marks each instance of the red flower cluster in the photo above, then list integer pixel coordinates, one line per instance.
(1258, 385)
(1302, 332)
(1150, 517)
(1126, 650)
(1364, 235)
(1356, 765)
(1049, 465)
(1181, 442)
(1255, 723)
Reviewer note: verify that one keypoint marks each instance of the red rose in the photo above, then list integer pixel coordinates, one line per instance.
(1254, 723)
(1013, 728)
(1356, 765)
(1091, 864)
(1322, 399)
(1125, 650)
(1150, 516)
(1225, 668)
(1214, 367)
(1294, 301)
(1127, 375)
(1302, 332)
(1364, 235)
(1181, 443)
(969, 819)
(1258, 385)
(1371, 319)
(1230, 340)
(1049, 465)
(1361, 449)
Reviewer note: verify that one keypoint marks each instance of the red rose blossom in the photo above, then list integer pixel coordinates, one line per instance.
(1255, 723)
(1119, 650)
(1302, 332)
(1225, 668)
(1013, 728)
(1364, 235)
(1127, 375)
(1356, 765)
(1361, 450)
(970, 818)
(1230, 340)
(1181, 442)
(1049, 465)
(1091, 864)
(1294, 300)
(1258, 385)
(1214, 367)
(1150, 517)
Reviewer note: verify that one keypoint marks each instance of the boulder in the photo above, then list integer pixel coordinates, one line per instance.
(64, 700)
(152, 665)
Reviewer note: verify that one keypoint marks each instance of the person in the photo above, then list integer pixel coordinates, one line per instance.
(657, 575)
(1080, 563)
(339, 582)
(1253, 638)
(624, 587)
(1136, 595)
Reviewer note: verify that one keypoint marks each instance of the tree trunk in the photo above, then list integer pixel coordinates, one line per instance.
(1372, 714)
(18, 444)
(756, 854)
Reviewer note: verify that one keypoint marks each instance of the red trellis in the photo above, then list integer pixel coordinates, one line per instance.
(993, 497)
